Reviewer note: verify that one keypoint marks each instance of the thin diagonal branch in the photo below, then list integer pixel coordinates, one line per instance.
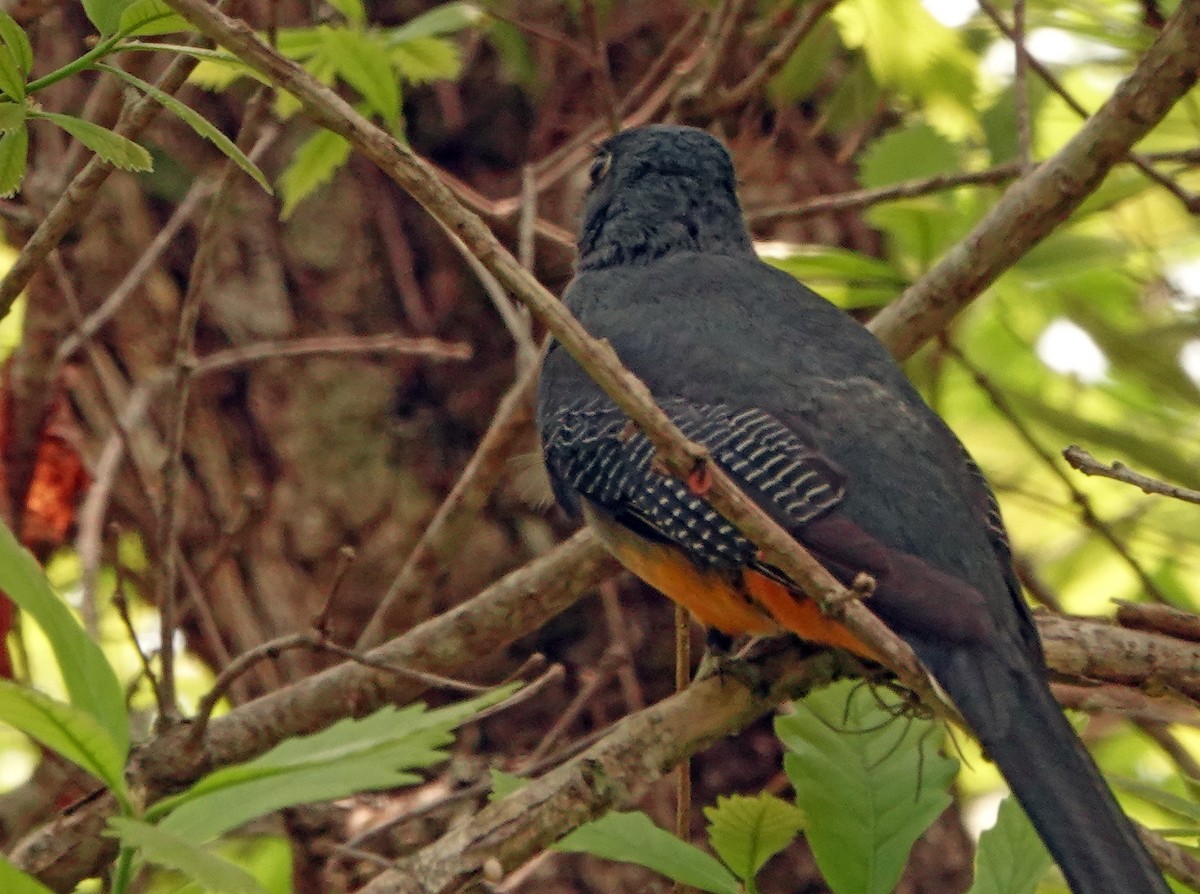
(1033, 206)
(1087, 464)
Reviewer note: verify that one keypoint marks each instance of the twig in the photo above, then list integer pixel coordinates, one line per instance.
(527, 218)
(199, 191)
(683, 773)
(1086, 512)
(772, 62)
(469, 494)
(1020, 88)
(618, 640)
(81, 192)
(1165, 619)
(601, 72)
(121, 604)
(1087, 464)
(1051, 80)
(342, 345)
(314, 640)
(1116, 698)
(1033, 206)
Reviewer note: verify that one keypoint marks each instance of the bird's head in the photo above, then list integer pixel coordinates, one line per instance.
(657, 190)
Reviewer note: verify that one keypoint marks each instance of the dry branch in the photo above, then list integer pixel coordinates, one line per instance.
(1087, 464)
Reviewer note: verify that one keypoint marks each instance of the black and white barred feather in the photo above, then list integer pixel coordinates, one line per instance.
(593, 450)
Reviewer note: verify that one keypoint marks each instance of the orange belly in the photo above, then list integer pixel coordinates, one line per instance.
(736, 604)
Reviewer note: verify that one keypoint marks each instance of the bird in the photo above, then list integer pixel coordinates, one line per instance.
(814, 420)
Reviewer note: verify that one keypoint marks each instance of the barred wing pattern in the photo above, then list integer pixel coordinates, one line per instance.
(593, 450)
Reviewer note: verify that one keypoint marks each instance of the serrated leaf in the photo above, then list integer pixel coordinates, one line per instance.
(367, 754)
(504, 784)
(17, 41)
(12, 116)
(1011, 858)
(144, 18)
(632, 837)
(162, 847)
(12, 79)
(910, 153)
(217, 74)
(313, 165)
(120, 152)
(427, 59)
(197, 122)
(445, 19)
(352, 9)
(363, 63)
(105, 14)
(14, 881)
(746, 831)
(91, 684)
(69, 731)
(862, 771)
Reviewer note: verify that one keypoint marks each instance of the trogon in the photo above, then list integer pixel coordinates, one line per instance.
(811, 416)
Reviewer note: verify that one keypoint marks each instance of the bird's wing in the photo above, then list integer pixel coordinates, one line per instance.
(593, 450)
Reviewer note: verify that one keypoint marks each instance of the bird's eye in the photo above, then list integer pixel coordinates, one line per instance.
(600, 167)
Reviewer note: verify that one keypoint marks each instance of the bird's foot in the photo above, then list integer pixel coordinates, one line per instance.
(720, 661)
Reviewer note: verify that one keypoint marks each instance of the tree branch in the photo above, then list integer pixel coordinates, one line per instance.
(1036, 204)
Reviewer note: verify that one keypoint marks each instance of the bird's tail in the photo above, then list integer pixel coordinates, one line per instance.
(1008, 704)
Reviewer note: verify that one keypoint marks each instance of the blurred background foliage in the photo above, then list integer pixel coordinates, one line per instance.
(1091, 339)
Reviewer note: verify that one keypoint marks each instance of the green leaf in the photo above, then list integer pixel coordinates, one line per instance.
(71, 732)
(1011, 858)
(149, 17)
(633, 838)
(313, 165)
(17, 41)
(906, 47)
(362, 62)
(12, 116)
(504, 784)
(160, 846)
(910, 153)
(746, 831)
(89, 678)
(105, 14)
(427, 59)
(14, 881)
(859, 771)
(376, 752)
(217, 74)
(1168, 801)
(352, 9)
(120, 152)
(845, 277)
(12, 79)
(198, 123)
(445, 19)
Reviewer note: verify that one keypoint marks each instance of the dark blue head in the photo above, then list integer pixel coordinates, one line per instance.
(657, 190)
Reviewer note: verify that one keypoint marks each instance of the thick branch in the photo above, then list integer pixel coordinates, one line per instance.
(1035, 205)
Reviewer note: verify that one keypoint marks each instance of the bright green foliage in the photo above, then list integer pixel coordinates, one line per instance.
(504, 784)
(746, 831)
(847, 278)
(1011, 858)
(633, 838)
(197, 122)
(869, 782)
(172, 851)
(144, 18)
(68, 730)
(14, 881)
(14, 147)
(16, 44)
(907, 154)
(90, 681)
(374, 62)
(118, 151)
(313, 165)
(376, 752)
(106, 14)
